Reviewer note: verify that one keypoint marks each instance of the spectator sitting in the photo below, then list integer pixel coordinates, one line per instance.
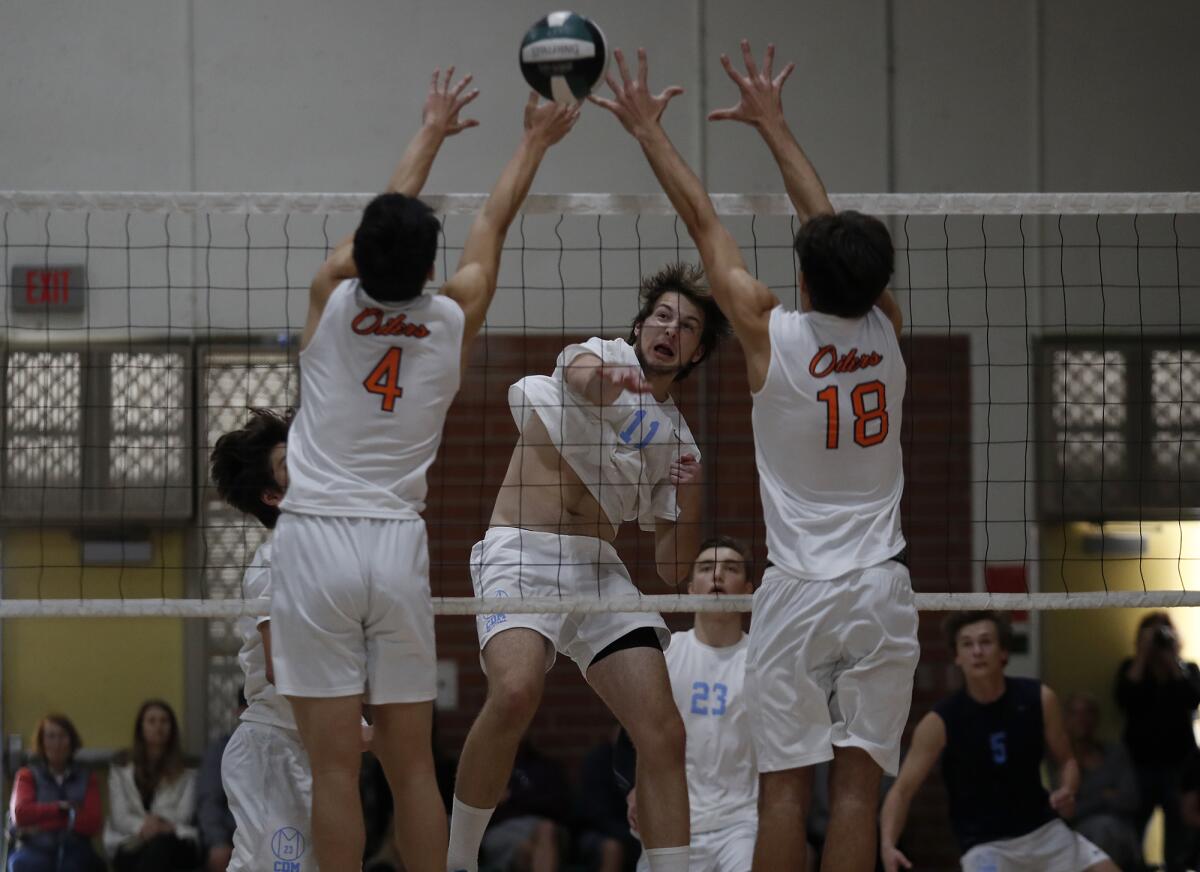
(55, 805)
(213, 817)
(1159, 694)
(1106, 803)
(528, 833)
(152, 799)
(606, 843)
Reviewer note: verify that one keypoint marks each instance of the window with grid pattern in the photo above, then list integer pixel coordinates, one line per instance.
(97, 436)
(1119, 427)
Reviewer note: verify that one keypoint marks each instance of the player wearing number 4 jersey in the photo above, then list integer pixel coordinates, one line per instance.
(833, 644)
(380, 364)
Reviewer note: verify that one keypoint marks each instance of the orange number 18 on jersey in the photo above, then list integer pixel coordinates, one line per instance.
(862, 415)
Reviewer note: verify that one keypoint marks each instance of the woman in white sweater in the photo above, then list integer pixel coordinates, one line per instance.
(152, 798)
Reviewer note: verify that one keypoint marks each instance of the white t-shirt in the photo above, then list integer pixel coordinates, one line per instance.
(376, 381)
(264, 704)
(722, 776)
(827, 443)
(621, 452)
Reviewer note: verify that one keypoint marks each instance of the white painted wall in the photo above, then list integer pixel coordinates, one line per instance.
(306, 95)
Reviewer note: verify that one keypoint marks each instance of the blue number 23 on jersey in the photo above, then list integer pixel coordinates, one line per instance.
(700, 695)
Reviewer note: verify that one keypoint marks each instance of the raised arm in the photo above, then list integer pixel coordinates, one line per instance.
(439, 119)
(744, 300)
(929, 738)
(761, 106)
(474, 283)
(1058, 745)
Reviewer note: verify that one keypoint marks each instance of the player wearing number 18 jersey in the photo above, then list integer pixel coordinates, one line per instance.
(380, 364)
(833, 643)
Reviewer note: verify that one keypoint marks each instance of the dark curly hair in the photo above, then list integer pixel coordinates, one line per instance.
(394, 247)
(847, 261)
(688, 281)
(241, 463)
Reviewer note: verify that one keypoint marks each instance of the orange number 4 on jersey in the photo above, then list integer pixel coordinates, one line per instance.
(385, 379)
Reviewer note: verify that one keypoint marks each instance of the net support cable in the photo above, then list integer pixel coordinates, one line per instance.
(929, 602)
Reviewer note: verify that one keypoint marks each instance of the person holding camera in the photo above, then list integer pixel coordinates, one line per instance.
(1159, 694)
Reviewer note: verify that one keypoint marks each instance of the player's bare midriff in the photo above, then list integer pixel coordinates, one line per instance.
(542, 492)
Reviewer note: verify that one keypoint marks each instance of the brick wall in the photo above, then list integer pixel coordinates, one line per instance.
(478, 441)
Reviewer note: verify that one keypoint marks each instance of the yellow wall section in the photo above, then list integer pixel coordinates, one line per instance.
(96, 671)
(1082, 649)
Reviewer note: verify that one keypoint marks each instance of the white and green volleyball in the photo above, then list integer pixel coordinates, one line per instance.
(563, 57)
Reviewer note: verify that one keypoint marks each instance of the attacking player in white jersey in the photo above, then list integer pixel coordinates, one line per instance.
(707, 664)
(380, 364)
(264, 770)
(833, 644)
(601, 442)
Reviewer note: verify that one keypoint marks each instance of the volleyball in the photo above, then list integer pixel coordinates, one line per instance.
(563, 57)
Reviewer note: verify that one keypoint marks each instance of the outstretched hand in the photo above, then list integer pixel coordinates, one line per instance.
(548, 122)
(760, 101)
(1063, 803)
(443, 103)
(636, 108)
(893, 860)
(623, 378)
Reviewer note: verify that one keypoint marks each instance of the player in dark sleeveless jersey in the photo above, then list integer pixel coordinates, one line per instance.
(991, 737)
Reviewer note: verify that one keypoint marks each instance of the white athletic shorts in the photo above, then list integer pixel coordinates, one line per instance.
(729, 849)
(830, 663)
(1053, 847)
(511, 562)
(350, 609)
(268, 782)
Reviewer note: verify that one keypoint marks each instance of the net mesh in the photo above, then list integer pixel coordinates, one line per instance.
(1051, 427)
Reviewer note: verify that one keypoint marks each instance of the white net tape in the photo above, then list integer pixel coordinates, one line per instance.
(609, 204)
(931, 602)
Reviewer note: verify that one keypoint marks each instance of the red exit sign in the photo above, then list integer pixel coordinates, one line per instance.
(48, 289)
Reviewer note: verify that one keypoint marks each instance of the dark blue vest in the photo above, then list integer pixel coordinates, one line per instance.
(73, 789)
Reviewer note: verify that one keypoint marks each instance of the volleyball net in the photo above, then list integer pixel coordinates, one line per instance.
(1051, 421)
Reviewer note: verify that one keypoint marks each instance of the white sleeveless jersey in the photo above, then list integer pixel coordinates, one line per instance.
(827, 443)
(621, 452)
(375, 384)
(722, 776)
(263, 704)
